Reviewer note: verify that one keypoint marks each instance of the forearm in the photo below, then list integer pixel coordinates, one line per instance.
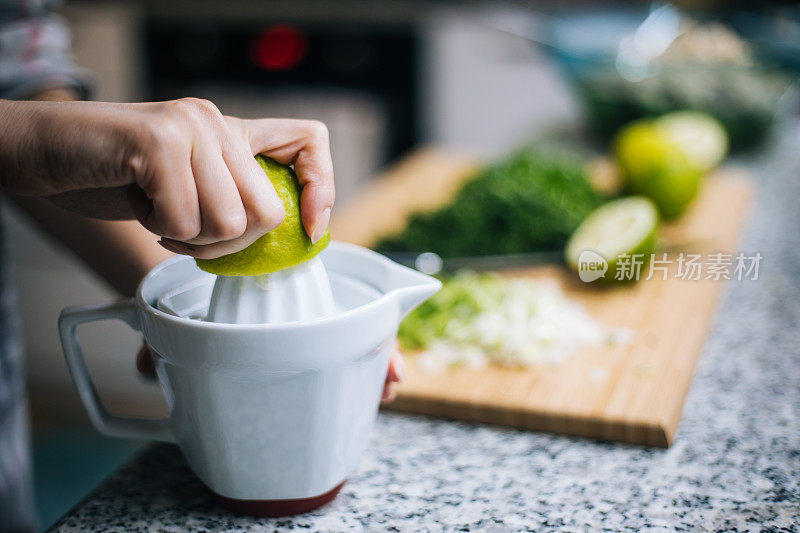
(32, 143)
(49, 148)
(17, 133)
(121, 252)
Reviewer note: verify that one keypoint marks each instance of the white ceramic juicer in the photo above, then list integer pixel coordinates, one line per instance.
(272, 417)
(299, 293)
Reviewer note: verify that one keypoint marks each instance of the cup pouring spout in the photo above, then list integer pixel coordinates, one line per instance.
(418, 288)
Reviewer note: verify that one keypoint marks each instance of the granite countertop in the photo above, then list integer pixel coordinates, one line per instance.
(735, 463)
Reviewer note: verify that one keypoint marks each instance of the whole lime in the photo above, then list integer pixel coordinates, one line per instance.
(655, 166)
(701, 137)
(283, 247)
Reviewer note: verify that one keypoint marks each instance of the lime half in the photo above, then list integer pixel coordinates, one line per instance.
(613, 240)
(283, 247)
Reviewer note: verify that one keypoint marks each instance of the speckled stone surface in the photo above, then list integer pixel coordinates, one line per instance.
(735, 464)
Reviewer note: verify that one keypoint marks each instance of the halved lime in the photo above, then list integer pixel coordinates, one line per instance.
(613, 239)
(283, 247)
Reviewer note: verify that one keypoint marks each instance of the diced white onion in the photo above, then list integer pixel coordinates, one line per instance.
(535, 323)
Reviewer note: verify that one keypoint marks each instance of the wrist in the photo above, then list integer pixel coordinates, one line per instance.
(56, 94)
(17, 126)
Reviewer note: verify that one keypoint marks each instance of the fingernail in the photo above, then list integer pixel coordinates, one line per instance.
(168, 246)
(322, 225)
(176, 247)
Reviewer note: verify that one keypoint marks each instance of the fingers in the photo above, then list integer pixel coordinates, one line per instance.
(306, 145)
(221, 210)
(210, 251)
(395, 374)
(263, 207)
(389, 394)
(201, 189)
(199, 186)
(166, 201)
(259, 207)
(144, 361)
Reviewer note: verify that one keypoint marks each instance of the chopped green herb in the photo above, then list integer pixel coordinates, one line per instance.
(530, 201)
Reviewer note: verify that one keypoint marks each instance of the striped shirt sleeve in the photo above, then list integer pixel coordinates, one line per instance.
(35, 51)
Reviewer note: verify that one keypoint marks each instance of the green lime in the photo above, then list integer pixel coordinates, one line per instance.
(613, 239)
(655, 166)
(701, 137)
(285, 246)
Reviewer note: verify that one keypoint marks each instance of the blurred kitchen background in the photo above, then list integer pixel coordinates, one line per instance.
(385, 77)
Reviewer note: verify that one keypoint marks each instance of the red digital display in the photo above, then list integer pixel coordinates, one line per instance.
(279, 47)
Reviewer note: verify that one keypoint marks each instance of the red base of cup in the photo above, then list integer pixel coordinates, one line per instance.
(274, 508)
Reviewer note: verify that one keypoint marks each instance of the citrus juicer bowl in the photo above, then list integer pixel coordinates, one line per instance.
(299, 293)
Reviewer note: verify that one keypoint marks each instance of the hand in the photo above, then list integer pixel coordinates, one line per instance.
(395, 374)
(184, 170)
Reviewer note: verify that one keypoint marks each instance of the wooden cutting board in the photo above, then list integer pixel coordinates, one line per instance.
(632, 393)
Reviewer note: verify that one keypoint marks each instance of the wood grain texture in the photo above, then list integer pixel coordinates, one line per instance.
(632, 393)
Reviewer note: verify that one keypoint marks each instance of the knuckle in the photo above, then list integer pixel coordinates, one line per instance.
(323, 191)
(196, 108)
(134, 166)
(317, 130)
(188, 105)
(229, 226)
(279, 215)
(266, 218)
(181, 230)
(179, 108)
(207, 109)
(328, 193)
(164, 131)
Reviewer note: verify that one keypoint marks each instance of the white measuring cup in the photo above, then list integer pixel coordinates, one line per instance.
(271, 417)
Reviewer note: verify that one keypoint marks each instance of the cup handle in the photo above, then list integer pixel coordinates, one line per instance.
(106, 423)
